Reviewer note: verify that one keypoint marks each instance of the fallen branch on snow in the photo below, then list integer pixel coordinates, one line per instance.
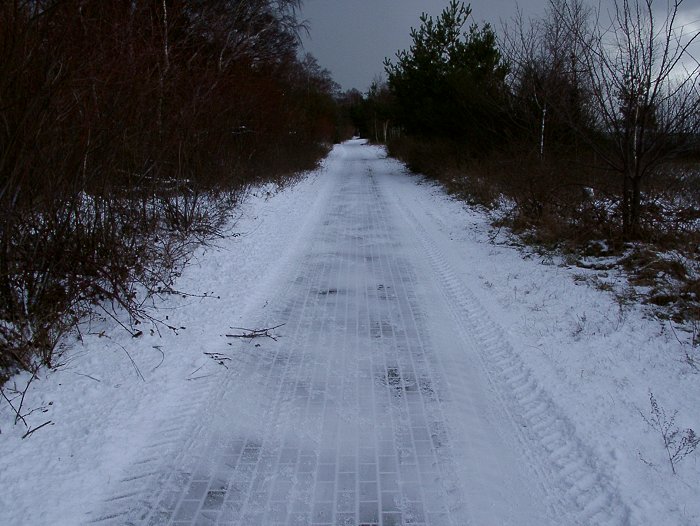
(19, 417)
(255, 333)
(36, 429)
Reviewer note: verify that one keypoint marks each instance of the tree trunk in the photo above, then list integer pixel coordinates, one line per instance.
(635, 207)
(626, 224)
(544, 119)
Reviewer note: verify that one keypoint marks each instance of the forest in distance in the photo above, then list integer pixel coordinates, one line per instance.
(130, 131)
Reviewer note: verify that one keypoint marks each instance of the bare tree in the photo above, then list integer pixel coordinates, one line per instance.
(548, 93)
(643, 87)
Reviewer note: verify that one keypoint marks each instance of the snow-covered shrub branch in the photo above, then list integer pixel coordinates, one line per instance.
(678, 443)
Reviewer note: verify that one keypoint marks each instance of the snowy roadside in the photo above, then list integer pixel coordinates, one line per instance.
(596, 358)
(102, 406)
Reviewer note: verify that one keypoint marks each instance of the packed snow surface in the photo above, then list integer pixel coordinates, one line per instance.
(415, 371)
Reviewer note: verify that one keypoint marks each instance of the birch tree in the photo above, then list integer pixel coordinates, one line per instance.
(643, 85)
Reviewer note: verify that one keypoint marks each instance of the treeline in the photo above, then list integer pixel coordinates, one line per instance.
(578, 120)
(128, 130)
(581, 127)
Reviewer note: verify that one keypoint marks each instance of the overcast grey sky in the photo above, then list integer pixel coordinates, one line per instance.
(352, 37)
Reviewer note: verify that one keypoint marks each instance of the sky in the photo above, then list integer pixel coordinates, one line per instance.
(351, 38)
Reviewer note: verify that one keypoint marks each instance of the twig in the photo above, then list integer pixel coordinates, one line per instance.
(673, 329)
(259, 330)
(218, 358)
(114, 317)
(493, 237)
(17, 414)
(160, 350)
(136, 367)
(21, 400)
(86, 375)
(199, 377)
(688, 358)
(197, 369)
(255, 333)
(36, 429)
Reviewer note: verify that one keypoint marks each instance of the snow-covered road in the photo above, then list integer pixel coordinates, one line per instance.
(388, 397)
(426, 371)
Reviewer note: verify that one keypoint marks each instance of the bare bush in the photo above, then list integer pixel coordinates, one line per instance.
(129, 131)
(677, 443)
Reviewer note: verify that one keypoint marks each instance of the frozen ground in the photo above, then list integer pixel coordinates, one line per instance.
(424, 374)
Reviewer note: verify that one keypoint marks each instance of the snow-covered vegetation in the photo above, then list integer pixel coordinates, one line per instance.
(129, 133)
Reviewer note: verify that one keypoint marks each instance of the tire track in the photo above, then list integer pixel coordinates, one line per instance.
(351, 418)
(540, 426)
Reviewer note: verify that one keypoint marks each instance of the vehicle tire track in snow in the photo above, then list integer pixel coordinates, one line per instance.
(360, 414)
(535, 416)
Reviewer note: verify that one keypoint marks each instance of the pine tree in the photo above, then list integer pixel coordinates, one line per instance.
(451, 81)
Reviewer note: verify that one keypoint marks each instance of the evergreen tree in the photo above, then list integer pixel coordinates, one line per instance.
(451, 81)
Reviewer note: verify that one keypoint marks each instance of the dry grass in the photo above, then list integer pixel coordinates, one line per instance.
(569, 205)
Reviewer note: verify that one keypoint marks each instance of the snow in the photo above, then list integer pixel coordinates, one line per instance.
(425, 372)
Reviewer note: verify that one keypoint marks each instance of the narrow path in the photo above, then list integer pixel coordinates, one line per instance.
(388, 398)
